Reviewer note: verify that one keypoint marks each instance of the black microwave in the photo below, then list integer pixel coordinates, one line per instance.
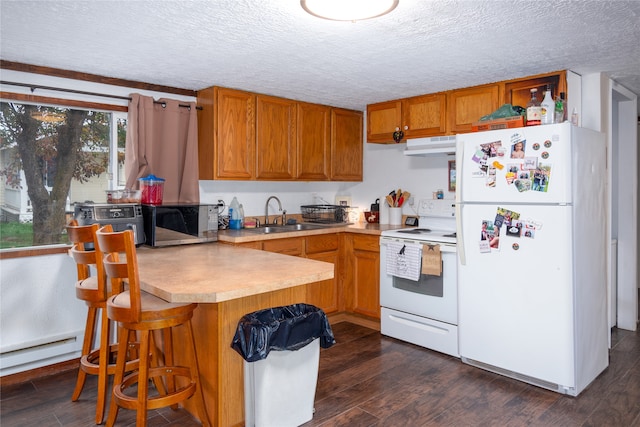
(179, 224)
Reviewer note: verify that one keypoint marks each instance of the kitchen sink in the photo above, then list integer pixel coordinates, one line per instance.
(284, 228)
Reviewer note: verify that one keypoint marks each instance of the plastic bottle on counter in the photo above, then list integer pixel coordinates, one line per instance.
(547, 113)
(234, 215)
(241, 215)
(534, 110)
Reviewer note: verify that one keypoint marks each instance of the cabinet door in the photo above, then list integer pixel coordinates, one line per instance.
(275, 138)
(363, 275)
(424, 115)
(314, 141)
(382, 120)
(292, 246)
(519, 92)
(466, 106)
(206, 152)
(324, 294)
(234, 134)
(346, 145)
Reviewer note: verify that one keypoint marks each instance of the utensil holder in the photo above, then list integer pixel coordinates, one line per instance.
(395, 216)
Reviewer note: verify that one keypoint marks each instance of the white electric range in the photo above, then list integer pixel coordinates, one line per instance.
(423, 311)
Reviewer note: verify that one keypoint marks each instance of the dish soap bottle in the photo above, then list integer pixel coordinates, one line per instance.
(234, 215)
(548, 108)
(534, 109)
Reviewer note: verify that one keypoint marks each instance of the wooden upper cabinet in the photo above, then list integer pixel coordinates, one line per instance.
(346, 145)
(234, 134)
(275, 138)
(382, 120)
(417, 117)
(424, 115)
(314, 141)
(468, 105)
(454, 111)
(519, 92)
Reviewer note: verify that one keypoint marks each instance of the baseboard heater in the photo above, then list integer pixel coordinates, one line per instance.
(525, 378)
(42, 352)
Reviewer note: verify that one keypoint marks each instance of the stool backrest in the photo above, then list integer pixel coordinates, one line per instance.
(121, 265)
(86, 253)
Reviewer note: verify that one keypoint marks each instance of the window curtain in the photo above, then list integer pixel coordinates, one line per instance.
(162, 140)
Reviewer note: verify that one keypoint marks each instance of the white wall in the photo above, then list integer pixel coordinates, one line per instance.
(385, 168)
(38, 306)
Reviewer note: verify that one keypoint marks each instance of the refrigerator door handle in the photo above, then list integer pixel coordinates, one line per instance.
(459, 175)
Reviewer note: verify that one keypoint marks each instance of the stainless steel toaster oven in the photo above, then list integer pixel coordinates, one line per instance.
(121, 216)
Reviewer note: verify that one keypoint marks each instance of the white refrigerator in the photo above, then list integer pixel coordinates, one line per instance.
(532, 282)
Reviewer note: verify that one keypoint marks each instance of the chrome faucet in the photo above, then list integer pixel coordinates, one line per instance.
(266, 210)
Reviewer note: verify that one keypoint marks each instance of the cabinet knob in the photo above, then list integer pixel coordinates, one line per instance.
(406, 127)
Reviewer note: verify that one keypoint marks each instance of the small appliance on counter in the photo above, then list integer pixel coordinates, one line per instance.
(121, 216)
(180, 224)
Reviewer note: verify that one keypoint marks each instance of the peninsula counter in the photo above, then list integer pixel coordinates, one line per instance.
(227, 282)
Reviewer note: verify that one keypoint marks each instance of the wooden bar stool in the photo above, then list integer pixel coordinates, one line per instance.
(136, 310)
(94, 291)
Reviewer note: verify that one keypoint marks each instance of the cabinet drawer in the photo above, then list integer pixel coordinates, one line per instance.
(284, 246)
(366, 243)
(323, 243)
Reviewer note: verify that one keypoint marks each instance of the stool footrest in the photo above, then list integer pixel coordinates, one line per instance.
(90, 363)
(171, 398)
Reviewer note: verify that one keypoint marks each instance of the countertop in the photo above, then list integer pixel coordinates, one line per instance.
(243, 236)
(212, 272)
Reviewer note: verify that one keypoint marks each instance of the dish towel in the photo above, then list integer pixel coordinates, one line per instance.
(431, 260)
(404, 260)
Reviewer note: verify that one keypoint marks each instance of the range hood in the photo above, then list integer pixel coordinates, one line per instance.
(436, 146)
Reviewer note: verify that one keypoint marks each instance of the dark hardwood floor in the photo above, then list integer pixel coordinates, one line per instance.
(370, 380)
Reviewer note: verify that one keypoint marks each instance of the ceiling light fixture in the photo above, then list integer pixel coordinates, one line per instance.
(348, 10)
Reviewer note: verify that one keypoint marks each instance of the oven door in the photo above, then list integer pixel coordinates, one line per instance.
(433, 297)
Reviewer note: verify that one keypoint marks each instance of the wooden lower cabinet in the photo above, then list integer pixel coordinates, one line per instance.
(293, 246)
(362, 274)
(326, 247)
(355, 287)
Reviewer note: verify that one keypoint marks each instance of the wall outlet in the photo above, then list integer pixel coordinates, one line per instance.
(411, 201)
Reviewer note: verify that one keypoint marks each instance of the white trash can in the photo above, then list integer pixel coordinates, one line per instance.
(279, 391)
(281, 351)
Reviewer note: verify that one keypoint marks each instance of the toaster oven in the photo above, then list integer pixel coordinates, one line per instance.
(121, 216)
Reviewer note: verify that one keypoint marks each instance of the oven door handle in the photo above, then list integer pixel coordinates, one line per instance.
(443, 247)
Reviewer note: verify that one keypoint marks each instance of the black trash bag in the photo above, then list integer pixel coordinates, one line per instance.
(281, 328)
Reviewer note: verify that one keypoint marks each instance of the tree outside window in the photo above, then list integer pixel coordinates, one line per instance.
(50, 158)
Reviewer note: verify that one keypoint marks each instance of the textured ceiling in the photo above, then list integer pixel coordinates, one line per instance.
(274, 47)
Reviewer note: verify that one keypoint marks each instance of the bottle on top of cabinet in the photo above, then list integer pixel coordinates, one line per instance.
(561, 109)
(534, 110)
(547, 113)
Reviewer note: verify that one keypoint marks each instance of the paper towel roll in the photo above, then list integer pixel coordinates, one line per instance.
(384, 211)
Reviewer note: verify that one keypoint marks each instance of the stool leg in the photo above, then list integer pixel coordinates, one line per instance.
(103, 365)
(169, 361)
(195, 376)
(143, 379)
(86, 349)
(123, 334)
(157, 359)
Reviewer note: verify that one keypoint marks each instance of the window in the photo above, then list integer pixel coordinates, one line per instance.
(50, 158)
